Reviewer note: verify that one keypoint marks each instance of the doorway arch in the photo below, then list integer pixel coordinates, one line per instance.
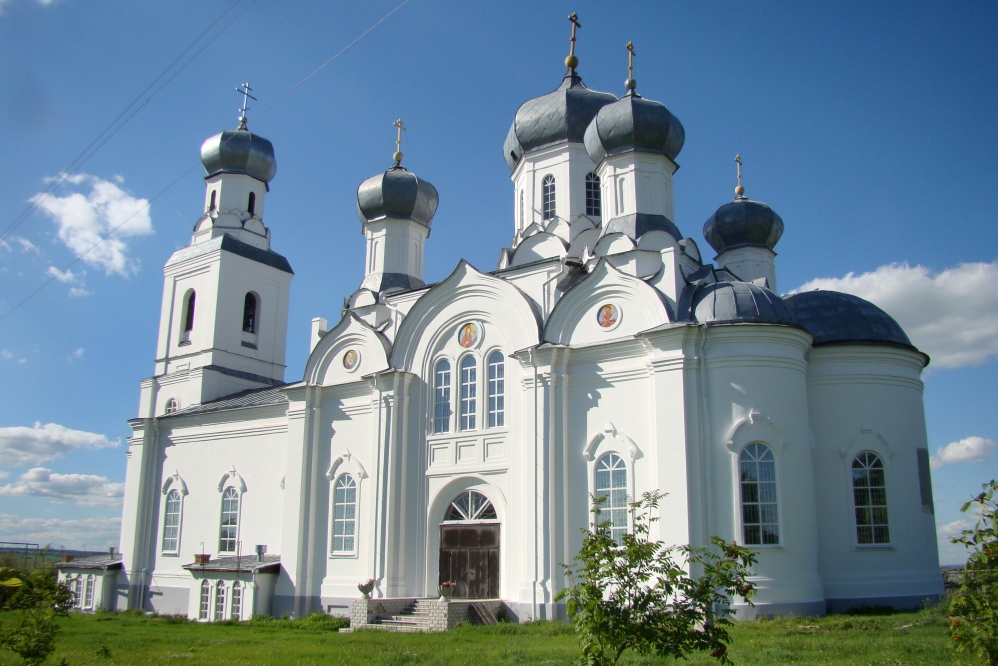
(469, 546)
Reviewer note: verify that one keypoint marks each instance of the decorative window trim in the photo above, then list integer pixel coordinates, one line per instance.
(237, 591)
(499, 413)
(351, 553)
(485, 508)
(780, 506)
(883, 545)
(89, 592)
(446, 401)
(167, 491)
(594, 199)
(231, 479)
(343, 465)
(220, 607)
(549, 198)
(204, 601)
(604, 442)
(468, 420)
(628, 487)
(755, 428)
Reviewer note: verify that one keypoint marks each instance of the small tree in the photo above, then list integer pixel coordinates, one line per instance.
(636, 595)
(974, 606)
(37, 600)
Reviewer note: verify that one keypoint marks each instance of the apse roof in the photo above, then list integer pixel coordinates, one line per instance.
(836, 318)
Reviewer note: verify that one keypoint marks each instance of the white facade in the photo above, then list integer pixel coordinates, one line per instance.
(592, 348)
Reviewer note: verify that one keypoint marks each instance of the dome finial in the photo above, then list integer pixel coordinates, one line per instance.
(398, 142)
(244, 89)
(571, 61)
(630, 83)
(739, 190)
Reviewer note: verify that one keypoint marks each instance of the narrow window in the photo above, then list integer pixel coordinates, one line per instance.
(522, 223)
(611, 483)
(219, 602)
(869, 490)
(497, 390)
(469, 392)
(88, 594)
(593, 205)
(547, 190)
(758, 479)
(171, 522)
(77, 593)
(236, 609)
(344, 515)
(249, 313)
(441, 397)
(185, 337)
(172, 405)
(230, 521)
(211, 204)
(251, 206)
(205, 600)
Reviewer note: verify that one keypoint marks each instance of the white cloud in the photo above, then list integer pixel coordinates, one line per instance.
(955, 528)
(43, 3)
(83, 219)
(95, 533)
(76, 355)
(952, 315)
(67, 277)
(78, 292)
(20, 445)
(6, 354)
(971, 449)
(84, 489)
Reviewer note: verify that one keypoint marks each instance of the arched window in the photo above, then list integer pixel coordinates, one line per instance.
(185, 335)
(611, 483)
(497, 390)
(470, 505)
(251, 206)
(219, 601)
(469, 392)
(344, 515)
(522, 223)
(593, 203)
(205, 600)
(171, 523)
(211, 204)
(77, 589)
(869, 491)
(88, 594)
(760, 522)
(441, 397)
(230, 521)
(249, 313)
(172, 405)
(548, 206)
(236, 607)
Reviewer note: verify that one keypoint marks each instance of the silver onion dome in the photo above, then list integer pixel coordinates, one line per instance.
(726, 302)
(239, 151)
(743, 222)
(836, 318)
(634, 123)
(397, 194)
(561, 115)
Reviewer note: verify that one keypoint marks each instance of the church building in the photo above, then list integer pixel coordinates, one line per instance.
(456, 431)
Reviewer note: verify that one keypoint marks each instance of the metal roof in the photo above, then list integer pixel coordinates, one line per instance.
(235, 246)
(634, 123)
(714, 296)
(250, 398)
(636, 224)
(239, 151)
(246, 563)
(836, 318)
(743, 222)
(397, 194)
(92, 562)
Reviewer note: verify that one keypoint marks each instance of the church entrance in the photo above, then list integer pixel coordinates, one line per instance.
(469, 547)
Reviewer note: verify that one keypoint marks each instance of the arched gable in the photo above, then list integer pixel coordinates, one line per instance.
(574, 319)
(465, 295)
(537, 247)
(328, 363)
(755, 428)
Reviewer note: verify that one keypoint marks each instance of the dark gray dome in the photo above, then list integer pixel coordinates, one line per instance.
(835, 318)
(396, 194)
(239, 151)
(743, 222)
(634, 123)
(561, 115)
(736, 302)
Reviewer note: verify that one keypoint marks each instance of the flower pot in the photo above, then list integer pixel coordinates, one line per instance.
(446, 591)
(366, 589)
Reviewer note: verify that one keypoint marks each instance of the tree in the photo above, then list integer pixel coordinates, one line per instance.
(37, 600)
(974, 606)
(636, 595)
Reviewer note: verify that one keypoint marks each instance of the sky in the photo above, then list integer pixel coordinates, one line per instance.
(869, 127)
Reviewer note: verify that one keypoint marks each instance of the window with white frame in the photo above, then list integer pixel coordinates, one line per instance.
(219, 601)
(171, 522)
(497, 389)
(344, 516)
(205, 601)
(469, 392)
(548, 210)
(611, 483)
(236, 605)
(757, 471)
(76, 588)
(593, 198)
(470, 505)
(229, 529)
(869, 491)
(172, 406)
(441, 396)
(88, 593)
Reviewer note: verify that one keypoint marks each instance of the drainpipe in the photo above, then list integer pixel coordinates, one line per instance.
(705, 435)
(533, 362)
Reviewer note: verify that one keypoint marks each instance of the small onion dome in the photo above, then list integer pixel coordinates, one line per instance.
(634, 123)
(738, 302)
(743, 222)
(835, 318)
(561, 115)
(397, 194)
(239, 151)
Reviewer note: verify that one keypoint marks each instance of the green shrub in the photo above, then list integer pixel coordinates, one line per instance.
(974, 606)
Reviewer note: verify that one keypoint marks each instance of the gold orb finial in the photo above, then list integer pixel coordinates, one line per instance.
(571, 61)
(397, 156)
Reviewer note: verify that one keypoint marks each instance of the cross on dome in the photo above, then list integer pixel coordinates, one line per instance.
(571, 61)
(398, 141)
(244, 89)
(739, 190)
(630, 83)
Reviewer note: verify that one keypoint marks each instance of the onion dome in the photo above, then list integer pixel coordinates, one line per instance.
(239, 151)
(743, 222)
(836, 318)
(736, 302)
(397, 194)
(634, 123)
(561, 115)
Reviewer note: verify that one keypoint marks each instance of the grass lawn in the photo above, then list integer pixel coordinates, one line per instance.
(127, 638)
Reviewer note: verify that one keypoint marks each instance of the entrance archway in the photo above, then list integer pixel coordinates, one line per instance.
(469, 547)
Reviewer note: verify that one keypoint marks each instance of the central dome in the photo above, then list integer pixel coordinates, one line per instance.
(561, 115)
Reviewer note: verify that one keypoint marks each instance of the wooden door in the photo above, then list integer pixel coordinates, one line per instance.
(469, 558)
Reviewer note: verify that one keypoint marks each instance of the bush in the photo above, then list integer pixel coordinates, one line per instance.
(974, 606)
(37, 599)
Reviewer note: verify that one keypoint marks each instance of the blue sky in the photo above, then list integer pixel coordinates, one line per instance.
(867, 126)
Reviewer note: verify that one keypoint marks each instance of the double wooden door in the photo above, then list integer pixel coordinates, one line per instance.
(469, 558)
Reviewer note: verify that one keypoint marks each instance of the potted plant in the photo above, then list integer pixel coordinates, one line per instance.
(366, 587)
(446, 590)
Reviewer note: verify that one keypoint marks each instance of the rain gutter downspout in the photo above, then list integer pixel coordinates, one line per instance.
(705, 434)
(533, 601)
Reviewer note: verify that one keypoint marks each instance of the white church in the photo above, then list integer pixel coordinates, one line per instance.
(456, 431)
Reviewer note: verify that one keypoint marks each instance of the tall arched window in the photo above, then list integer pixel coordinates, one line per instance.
(185, 334)
(441, 397)
(869, 491)
(522, 223)
(205, 601)
(236, 607)
(497, 390)
(760, 521)
(229, 530)
(251, 205)
(469, 392)
(219, 601)
(611, 483)
(593, 203)
(548, 211)
(172, 405)
(77, 589)
(344, 515)
(249, 313)
(171, 522)
(88, 593)
(211, 204)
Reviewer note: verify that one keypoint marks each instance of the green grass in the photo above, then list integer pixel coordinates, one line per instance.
(128, 638)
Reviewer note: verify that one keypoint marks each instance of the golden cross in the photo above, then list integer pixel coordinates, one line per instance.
(398, 141)
(630, 60)
(739, 190)
(574, 18)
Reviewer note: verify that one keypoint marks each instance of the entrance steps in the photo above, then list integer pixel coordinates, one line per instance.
(415, 617)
